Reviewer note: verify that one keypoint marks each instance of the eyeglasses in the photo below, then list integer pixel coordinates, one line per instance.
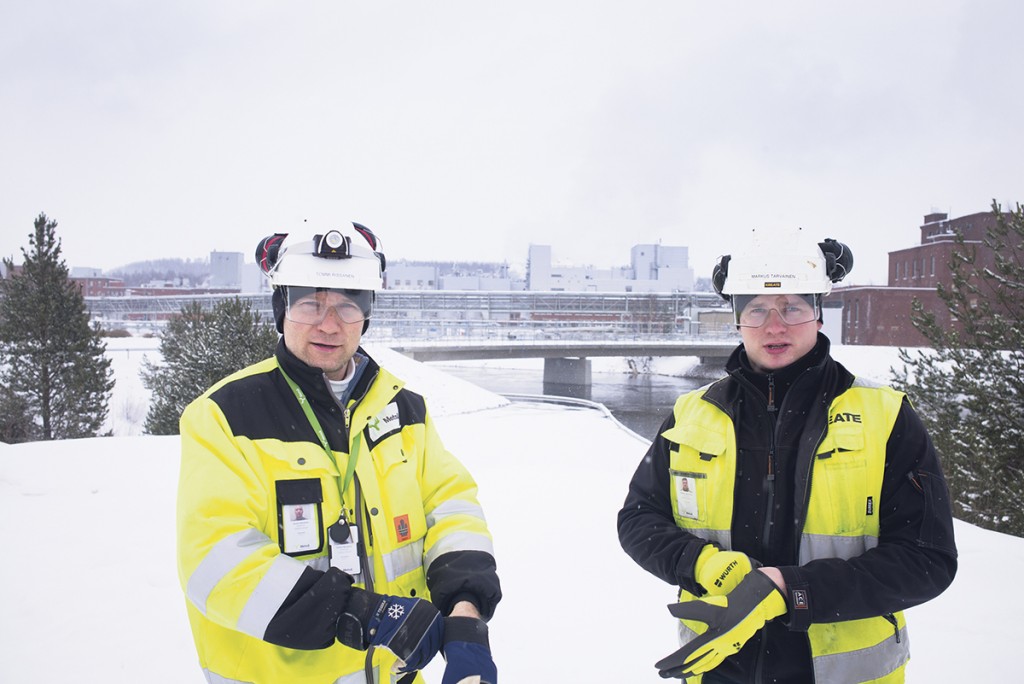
(310, 306)
(753, 312)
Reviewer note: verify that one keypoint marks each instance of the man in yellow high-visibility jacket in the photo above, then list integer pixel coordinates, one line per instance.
(325, 535)
(798, 508)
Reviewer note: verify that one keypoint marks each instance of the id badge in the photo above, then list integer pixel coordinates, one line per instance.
(686, 496)
(301, 529)
(344, 545)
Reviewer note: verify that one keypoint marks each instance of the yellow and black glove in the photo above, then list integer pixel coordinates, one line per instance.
(731, 621)
(719, 572)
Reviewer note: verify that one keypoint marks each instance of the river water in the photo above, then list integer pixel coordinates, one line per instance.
(640, 402)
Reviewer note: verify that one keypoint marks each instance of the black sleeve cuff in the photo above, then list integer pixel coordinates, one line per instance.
(798, 600)
(464, 576)
(308, 618)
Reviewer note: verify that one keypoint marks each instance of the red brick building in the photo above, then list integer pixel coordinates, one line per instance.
(99, 286)
(881, 315)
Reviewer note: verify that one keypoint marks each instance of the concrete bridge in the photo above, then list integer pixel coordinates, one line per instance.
(566, 361)
(564, 328)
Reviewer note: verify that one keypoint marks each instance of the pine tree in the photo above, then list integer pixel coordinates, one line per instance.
(970, 390)
(200, 347)
(56, 379)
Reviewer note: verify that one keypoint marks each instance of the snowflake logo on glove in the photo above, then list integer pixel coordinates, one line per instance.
(396, 610)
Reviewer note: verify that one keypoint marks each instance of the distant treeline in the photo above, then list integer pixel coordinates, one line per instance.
(162, 270)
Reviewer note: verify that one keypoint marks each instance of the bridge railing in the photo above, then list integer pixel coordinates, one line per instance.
(384, 329)
(475, 315)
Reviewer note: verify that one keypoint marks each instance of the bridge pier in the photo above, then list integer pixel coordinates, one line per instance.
(562, 371)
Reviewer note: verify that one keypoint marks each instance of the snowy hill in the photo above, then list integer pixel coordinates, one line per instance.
(89, 588)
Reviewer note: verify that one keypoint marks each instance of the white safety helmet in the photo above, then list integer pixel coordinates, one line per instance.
(342, 258)
(787, 263)
(348, 259)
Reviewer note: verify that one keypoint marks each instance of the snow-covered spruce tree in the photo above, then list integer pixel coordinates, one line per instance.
(200, 347)
(16, 422)
(52, 364)
(970, 390)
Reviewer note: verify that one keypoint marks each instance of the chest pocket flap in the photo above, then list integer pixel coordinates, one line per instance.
(700, 438)
(840, 438)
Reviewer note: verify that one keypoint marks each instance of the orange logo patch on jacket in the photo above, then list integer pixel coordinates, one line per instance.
(402, 528)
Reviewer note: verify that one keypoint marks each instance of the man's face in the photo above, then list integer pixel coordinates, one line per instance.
(775, 344)
(329, 344)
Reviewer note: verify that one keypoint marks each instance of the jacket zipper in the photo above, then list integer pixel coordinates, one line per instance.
(366, 536)
(769, 507)
(364, 559)
(770, 475)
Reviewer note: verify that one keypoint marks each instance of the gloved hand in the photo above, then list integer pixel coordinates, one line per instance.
(720, 571)
(731, 621)
(411, 628)
(468, 653)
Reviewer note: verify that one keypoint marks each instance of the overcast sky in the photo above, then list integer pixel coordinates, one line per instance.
(469, 130)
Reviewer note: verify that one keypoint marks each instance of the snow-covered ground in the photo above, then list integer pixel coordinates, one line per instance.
(89, 592)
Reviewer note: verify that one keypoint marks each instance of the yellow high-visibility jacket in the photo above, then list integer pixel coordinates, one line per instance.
(840, 520)
(262, 599)
(830, 479)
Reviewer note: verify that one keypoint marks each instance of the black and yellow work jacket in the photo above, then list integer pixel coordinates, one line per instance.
(265, 609)
(829, 478)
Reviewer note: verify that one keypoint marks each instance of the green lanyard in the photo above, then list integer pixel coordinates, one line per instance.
(318, 429)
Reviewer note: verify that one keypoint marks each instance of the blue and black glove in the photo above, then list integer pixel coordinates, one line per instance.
(468, 653)
(411, 628)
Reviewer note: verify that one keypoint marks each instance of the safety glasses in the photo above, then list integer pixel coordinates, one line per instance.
(752, 311)
(311, 306)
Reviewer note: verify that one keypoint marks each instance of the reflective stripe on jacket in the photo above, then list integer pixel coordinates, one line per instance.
(249, 457)
(840, 516)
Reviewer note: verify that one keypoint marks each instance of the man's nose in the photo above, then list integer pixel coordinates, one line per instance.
(774, 320)
(332, 319)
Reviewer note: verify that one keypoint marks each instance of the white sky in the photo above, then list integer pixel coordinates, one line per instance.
(90, 590)
(463, 130)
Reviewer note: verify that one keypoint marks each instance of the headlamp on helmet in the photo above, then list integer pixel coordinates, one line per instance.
(343, 259)
(333, 245)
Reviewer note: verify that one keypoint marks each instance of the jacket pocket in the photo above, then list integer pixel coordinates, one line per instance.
(937, 523)
(300, 525)
(841, 478)
(696, 466)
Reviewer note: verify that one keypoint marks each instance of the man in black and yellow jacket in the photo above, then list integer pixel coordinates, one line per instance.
(798, 508)
(325, 535)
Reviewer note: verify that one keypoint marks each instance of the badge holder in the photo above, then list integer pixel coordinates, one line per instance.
(344, 546)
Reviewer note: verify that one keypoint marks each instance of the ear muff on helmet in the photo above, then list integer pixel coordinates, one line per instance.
(267, 250)
(373, 241)
(838, 259)
(719, 275)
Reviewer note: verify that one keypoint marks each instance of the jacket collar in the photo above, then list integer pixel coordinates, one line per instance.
(828, 375)
(313, 382)
(782, 378)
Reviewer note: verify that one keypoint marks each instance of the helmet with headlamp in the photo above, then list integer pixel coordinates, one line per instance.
(347, 260)
(341, 259)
